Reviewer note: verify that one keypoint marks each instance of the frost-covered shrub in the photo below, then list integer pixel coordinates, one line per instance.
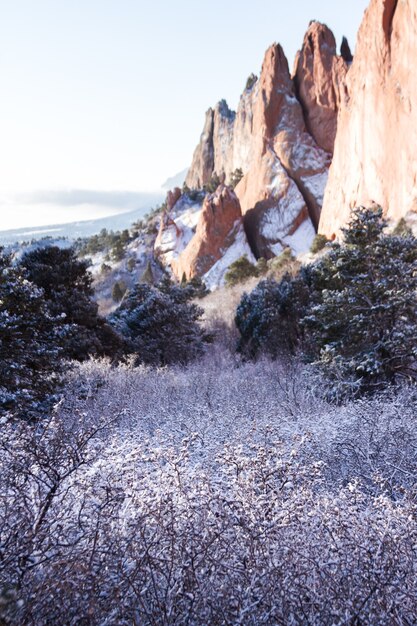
(30, 339)
(209, 494)
(160, 327)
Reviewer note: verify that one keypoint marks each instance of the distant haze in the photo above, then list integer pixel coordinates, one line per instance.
(110, 96)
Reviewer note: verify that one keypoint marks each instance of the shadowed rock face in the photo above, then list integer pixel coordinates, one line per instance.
(284, 165)
(374, 157)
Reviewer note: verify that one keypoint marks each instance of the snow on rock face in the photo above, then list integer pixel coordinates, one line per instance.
(269, 126)
(273, 220)
(177, 228)
(374, 156)
(216, 231)
(214, 278)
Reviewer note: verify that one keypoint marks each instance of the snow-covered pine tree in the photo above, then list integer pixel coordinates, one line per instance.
(67, 286)
(160, 326)
(29, 344)
(362, 322)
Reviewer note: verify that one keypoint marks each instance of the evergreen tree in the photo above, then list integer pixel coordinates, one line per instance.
(362, 321)
(159, 326)
(29, 344)
(268, 318)
(118, 291)
(147, 276)
(67, 286)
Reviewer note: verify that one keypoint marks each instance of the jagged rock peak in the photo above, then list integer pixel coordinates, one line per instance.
(319, 77)
(345, 51)
(374, 157)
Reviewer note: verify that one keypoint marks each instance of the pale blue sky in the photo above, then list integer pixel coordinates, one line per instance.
(111, 94)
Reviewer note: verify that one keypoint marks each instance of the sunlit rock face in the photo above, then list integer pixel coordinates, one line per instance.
(219, 224)
(281, 138)
(374, 155)
(319, 76)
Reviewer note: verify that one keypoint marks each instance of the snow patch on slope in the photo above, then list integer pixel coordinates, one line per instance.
(214, 278)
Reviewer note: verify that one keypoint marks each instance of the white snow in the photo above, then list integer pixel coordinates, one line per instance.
(300, 242)
(177, 236)
(214, 278)
(279, 219)
(316, 184)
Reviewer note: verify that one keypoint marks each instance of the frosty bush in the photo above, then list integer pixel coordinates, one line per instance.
(29, 344)
(212, 494)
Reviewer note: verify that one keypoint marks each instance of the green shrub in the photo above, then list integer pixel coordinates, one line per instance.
(118, 291)
(212, 184)
(252, 78)
(319, 243)
(240, 270)
(235, 177)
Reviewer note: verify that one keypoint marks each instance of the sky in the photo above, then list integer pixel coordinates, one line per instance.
(109, 95)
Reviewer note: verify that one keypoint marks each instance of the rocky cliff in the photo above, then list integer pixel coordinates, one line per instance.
(281, 138)
(374, 159)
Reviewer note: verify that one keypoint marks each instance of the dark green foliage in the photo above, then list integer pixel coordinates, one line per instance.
(67, 286)
(105, 240)
(118, 291)
(147, 276)
(29, 344)
(131, 263)
(268, 319)
(318, 244)
(185, 291)
(195, 195)
(239, 271)
(212, 184)
(159, 326)
(355, 310)
(362, 320)
(402, 228)
(118, 251)
(252, 78)
(236, 177)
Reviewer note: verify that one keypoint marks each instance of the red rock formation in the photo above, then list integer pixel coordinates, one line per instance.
(202, 165)
(214, 234)
(374, 156)
(319, 77)
(284, 169)
(288, 170)
(172, 197)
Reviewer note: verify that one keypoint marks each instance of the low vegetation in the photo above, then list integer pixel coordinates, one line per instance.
(183, 481)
